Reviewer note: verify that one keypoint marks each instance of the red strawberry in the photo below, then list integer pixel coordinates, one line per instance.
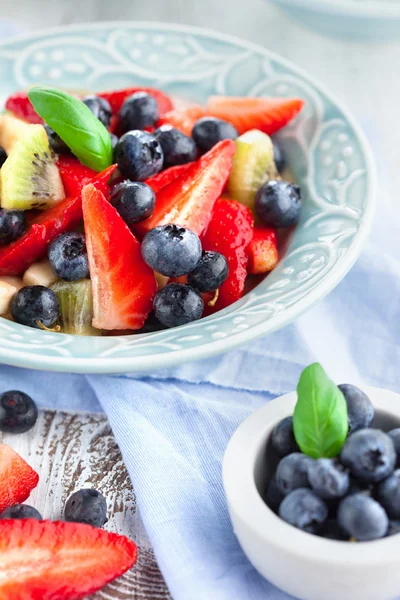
(44, 560)
(21, 106)
(188, 201)
(267, 114)
(44, 228)
(74, 174)
(183, 120)
(157, 182)
(263, 251)
(230, 232)
(17, 479)
(116, 98)
(123, 285)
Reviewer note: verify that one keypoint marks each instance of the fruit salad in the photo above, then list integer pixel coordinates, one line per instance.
(122, 213)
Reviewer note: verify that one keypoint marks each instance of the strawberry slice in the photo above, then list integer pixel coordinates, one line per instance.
(263, 251)
(183, 120)
(22, 107)
(230, 232)
(74, 174)
(44, 228)
(123, 285)
(267, 114)
(58, 561)
(116, 98)
(17, 479)
(157, 182)
(188, 201)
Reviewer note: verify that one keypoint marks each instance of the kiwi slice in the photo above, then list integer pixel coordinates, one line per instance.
(76, 306)
(30, 178)
(253, 165)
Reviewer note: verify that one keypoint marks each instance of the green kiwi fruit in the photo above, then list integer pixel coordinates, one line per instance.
(30, 178)
(253, 165)
(76, 306)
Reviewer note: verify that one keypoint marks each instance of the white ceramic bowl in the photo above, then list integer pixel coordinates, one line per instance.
(304, 565)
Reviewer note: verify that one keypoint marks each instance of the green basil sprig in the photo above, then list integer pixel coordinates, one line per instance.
(320, 418)
(76, 125)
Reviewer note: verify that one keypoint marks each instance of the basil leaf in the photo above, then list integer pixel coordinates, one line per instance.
(76, 125)
(320, 419)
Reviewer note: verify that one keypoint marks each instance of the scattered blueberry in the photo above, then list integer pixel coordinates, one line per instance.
(278, 203)
(114, 140)
(279, 158)
(303, 509)
(331, 530)
(178, 148)
(282, 438)
(135, 201)
(292, 472)
(3, 156)
(369, 454)
(394, 527)
(389, 494)
(35, 306)
(210, 273)
(56, 143)
(273, 495)
(395, 437)
(178, 304)
(18, 412)
(87, 506)
(100, 107)
(12, 226)
(362, 518)
(328, 478)
(139, 111)
(171, 250)
(21, 511)
(68, 256)
(139, 155)
(208, 131)
(359, 407)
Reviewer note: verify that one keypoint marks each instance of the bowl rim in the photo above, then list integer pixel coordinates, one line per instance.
(144, 363)
(245, 501)
(371, 9)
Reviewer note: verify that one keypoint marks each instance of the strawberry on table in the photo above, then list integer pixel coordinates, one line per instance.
(43, 560)
(123, 285)
(184, 119)
(157, 182)
(74, 174)
(20, 105)
(267, 114)
(17, 479)
(263, 251)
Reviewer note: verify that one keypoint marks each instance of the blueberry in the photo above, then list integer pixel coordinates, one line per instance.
(18, 412)
(210, 273)
(68, 256)
(282, 438)
(171, 250)
(395, 437)
(139, 111)
(139, 155)
(178, 148)
(35, 306)
(304, 509)
(135, 201)
(178, 304)
(12, 226)
(208, 131)
(369, 454)
(362, 518)
(87, 506)
(394, 527)
(3, 156)
(278, 203)
(359, 407)
(114, 140)
(56, 143)
(273, 495)
(292, 472)
(21, 511)
(279, 158)
(389, 494)
(100, 107)
(328, 478)
(331, 530)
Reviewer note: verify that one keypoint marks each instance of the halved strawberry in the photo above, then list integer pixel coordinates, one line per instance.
(183, 120)
(44, 228)
(157, 182)
(17, 479)
(22, 107)
(44, 560)
(116, 98)
(230, 233)
(123, 285)
(188, 201)
(267, 114)
(263, 251)
(74, 174)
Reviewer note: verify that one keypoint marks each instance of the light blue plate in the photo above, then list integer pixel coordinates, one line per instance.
(355, 19)
(325, 148)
